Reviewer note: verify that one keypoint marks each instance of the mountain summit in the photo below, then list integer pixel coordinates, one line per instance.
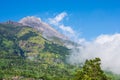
(44, 28)
(13, 23)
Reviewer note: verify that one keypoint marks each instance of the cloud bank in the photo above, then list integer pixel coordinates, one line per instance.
(105, 47)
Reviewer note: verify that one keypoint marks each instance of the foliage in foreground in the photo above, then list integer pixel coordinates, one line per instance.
(91, 70)
(48, 69)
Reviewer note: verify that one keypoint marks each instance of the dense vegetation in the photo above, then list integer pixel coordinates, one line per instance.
(26, 55)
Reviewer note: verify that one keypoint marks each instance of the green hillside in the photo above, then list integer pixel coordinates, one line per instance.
(23, 46)
(26, 55)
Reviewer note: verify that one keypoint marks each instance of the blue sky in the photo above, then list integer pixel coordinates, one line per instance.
(89, 17)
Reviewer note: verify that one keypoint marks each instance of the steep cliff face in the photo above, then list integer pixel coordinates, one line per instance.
(44, 28)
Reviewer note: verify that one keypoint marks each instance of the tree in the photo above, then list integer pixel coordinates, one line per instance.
(91, 70)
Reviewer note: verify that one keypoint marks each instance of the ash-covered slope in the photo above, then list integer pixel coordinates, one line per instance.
(44, 28)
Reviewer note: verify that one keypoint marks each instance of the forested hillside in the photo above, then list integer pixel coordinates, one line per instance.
(26, 55)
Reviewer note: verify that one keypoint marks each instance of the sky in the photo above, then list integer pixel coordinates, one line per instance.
(89, 18)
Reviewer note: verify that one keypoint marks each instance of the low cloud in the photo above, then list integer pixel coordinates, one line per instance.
(105, 47)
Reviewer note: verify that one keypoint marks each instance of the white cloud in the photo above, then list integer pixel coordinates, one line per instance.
(56, 21)
(58, 18)
(66, 28)
(106, 47)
